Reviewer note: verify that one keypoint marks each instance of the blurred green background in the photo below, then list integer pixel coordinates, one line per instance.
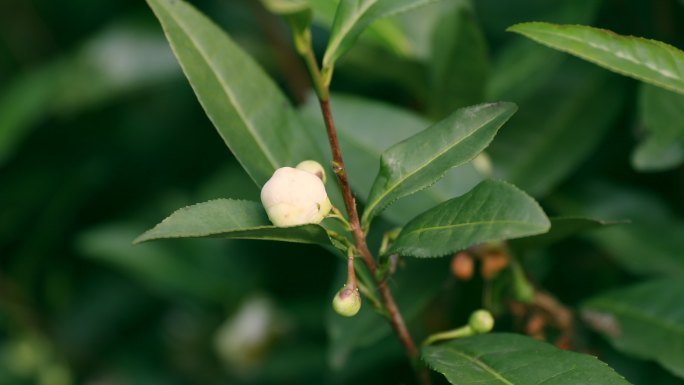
(101, 137)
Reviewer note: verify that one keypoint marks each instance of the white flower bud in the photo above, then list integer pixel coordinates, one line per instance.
(313, 167)
(294, 197)
(347, 302)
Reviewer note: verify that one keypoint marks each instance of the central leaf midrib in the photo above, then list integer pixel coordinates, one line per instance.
(225, 88)
(482, 365)
(476, 223)
(373, 205)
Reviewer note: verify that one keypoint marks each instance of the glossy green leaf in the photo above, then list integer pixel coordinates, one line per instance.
(492, 211)
(227, 218)
(647, 60)
(366, 128)
(662, 117)
(513, 359)
(645, 320)
(421, 160)
(459, 65)
(650, 244)
(562, 228)
(551, 136)
(252, 116)
(353, 17)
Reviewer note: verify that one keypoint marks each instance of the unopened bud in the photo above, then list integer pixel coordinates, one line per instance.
(312, 167)
(481, 321)
(462, 266)
(347, 302)
(294, 197)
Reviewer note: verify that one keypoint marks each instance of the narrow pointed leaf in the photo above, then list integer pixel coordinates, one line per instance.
(647, 60)
(645, 320)
(252, 116)
(421, 160)
(512, 359)
(228, 218)
(492, 211)
(354, 16)
(368, 127)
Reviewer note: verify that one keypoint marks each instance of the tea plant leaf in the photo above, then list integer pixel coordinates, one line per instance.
(662, 117)
(421, 160)
(512, 359)
(252, 116)
(647, 60)
(645, 320)
(228, 218)
(368, 127)
(492, 211)
(352, 18)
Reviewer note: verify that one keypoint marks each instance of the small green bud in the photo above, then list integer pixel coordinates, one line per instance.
(313, 167)
(347, 302)
(481, 321)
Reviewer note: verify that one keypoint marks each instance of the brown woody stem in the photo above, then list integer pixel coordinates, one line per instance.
(389, 303)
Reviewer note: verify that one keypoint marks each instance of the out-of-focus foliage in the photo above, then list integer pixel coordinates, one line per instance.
(101, 137)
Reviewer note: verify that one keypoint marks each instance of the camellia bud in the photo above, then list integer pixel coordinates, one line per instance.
(462, 266)
(347, 302)
(481, 321)
(294, 197)
(313, 167)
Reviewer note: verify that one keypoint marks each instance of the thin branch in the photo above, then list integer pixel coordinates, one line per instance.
(396, 318)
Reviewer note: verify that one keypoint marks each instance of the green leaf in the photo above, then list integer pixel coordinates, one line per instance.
(662, 117)
(252, 116)
(459, 66)
(492, 211)
(551, 136)
(366, 128)
(227, 218)
(513, 359)
(650, 244)
(352, 18)
(645, 320)
(562, 228)
(421, 160)
(647, 60)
